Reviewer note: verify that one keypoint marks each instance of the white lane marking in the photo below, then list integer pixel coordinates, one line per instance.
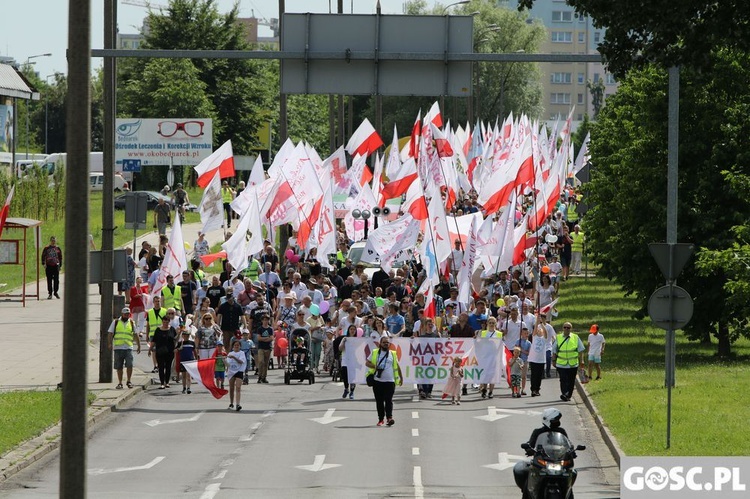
(415, 432)
(211, 491)
(102, 471)
(227, 463)
(157, 422)
(492, 415)
(418, 489)
(328, 417)
(220, 475)
(504, 461)
(520, 412)
(415, 415)
(253, 430)
(415, 451)
(268, 414)
(318, 464)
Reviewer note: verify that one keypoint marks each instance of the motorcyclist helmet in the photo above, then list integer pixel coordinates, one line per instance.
(551, 417)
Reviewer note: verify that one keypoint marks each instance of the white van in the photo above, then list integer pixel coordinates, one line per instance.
(96, 182)
(96, 164)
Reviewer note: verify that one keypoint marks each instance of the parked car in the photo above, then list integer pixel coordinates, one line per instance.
(153, 199)
(96, 182)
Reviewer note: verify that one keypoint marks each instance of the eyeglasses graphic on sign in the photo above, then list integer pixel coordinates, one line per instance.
(189, 128)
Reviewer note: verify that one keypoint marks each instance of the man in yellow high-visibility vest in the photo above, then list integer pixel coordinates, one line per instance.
(567, 356)
(122, 335)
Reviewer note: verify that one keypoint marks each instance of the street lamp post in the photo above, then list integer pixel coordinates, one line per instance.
(46, 112)
(462, 2)
(28, 64)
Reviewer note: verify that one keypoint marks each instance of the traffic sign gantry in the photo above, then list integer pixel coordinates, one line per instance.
(681, 307)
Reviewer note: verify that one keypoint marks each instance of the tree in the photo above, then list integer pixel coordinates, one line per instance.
(664, 31)
(174, 89)
(48, 114)
(239, 95)
(628, 188)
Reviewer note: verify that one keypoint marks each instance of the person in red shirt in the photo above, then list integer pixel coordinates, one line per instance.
(137, 303)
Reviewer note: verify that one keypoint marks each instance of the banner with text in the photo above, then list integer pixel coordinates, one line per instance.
(186, 141)
(429, 360)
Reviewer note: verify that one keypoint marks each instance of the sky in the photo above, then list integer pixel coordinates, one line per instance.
(33, 27)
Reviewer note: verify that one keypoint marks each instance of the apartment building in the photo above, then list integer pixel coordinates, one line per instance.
(565, 83)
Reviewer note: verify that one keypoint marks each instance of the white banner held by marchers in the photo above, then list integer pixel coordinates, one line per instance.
(429, 360)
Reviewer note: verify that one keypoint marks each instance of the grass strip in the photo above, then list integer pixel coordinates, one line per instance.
(24, 415)
(631, 396)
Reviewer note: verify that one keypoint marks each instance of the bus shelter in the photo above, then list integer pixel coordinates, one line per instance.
(15, 252)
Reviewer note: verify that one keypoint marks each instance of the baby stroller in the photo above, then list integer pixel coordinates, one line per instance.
(299, 364)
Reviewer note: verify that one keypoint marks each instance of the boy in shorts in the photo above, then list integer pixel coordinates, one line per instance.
(220, 367)
(246, 346)
(596, 349)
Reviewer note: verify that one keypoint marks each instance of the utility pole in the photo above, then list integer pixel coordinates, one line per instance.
(283, 125)
(75, 304)
(108, 209)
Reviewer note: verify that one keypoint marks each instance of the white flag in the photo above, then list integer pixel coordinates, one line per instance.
(324, 233)
(392, 242)
(467, 265)
(175, 260)
(247, 239)
(257, 174)
(212, 206)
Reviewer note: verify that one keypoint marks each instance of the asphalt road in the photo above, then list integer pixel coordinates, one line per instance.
(305, 441)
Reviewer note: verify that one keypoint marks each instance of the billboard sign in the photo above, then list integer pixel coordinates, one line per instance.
(6, 126)
(184, 141)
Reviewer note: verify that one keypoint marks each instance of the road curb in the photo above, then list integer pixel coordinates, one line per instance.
(31, 451)
(609, 439)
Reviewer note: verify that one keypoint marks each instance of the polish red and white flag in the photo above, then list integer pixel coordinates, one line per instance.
(6, 209)
(365, 140)
(221, 159)
(433, 116)
(202, 372)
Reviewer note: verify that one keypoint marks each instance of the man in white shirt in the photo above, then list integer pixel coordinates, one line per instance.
(238, 287)
(299, 288)
(458, 306)
(457, 257)
(305, 306)
(270, 278)
(596, 349)
(511, 328)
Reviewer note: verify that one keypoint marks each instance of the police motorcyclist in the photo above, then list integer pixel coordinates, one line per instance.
(550, 422)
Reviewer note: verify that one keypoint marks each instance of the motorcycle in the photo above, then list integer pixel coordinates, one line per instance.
(550, 474)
